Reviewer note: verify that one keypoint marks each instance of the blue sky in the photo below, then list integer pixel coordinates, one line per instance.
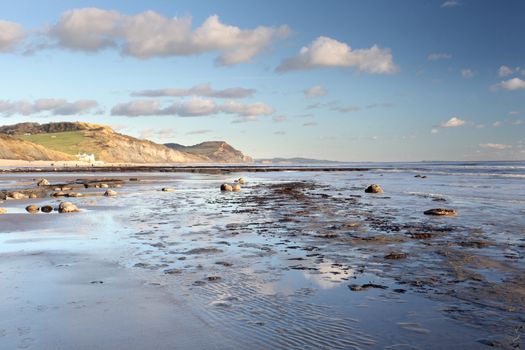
(343, 80)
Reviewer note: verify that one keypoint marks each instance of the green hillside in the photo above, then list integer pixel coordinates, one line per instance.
(70, 142)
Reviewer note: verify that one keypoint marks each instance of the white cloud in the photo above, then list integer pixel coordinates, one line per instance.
(10, 34)
(46, 105)
(453, 123)
(468, 73)
(195, 107)
(315, 91)
(199, 132)
(437, 56)
(450, 3)
(149, 34)
(497, 124)
(511, 84)
(495, 146)
(434, 131)
(203, 90)
(327, 52)
(505, 71)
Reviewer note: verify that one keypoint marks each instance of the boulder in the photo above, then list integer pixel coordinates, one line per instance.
(3, 211)
(18, 195)
(167, 189)
(110, 193)
(441, 212)
(241, 181)
(226, 187)
(67, 207)
(46, 209)
(42, 182)
(74, 194)
(33, 195)
(236, 188)
(374, 189)
(104, 186)
(58, 194)
(32, 208)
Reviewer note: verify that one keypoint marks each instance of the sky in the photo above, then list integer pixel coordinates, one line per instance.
(374, 80)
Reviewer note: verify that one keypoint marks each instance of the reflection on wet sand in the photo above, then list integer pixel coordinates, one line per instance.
(301, 261)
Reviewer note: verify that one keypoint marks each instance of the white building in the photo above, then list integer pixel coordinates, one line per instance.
(84, 157)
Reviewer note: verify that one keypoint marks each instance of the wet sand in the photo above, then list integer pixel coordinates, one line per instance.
(294, 260)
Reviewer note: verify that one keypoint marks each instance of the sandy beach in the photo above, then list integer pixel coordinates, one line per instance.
(294, 260)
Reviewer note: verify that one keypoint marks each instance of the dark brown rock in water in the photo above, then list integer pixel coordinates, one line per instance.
(441, 212)
(46, 209)
(396, 255)
(32, 208)
(173, 271)
(214, 278)
(374, 189)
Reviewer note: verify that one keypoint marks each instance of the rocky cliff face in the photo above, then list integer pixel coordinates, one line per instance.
(215, 151)
(12, 148)
(36, 128)
(117, 148)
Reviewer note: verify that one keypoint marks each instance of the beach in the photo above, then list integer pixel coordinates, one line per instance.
(297, 259)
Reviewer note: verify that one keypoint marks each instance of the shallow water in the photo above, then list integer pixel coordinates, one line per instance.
(272, 269)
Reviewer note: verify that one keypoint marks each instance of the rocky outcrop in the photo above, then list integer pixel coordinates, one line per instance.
(67, 207)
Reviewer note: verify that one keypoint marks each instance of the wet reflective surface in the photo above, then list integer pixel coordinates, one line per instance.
(303, 260)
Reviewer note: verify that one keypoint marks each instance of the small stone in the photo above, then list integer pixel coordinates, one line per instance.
(46, 209)
(18, 195)
(110, 193)
(374, 189)
(214, 278)
(42, 182)
(241, 181)
(59, 194)
(67, 207)
(167, 189)
(396, 256)
(32, 208)
(441, 212)
(3, 211)
(226, 187)
(236, 188)
(104, 186)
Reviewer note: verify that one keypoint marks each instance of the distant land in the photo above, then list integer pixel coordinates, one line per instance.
(92, 142)
(296, 160)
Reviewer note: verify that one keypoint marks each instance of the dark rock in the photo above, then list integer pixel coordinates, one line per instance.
(374, 189)
(440, 212)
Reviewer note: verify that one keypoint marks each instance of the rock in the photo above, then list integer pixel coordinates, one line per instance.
(374, 189)
(32, 195)
(441, 212)
(3, 211)
(133, 179)
(42, 182)
(32, 208)
(67, 207)
(110, 193)
(396, 256)
(241, 181)
(46, 209)
(167, 189)
(226, 187)
(58, 194)
(360, 288)
(104, 186)
(236, 188)
(18, 195)
(74, 194)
